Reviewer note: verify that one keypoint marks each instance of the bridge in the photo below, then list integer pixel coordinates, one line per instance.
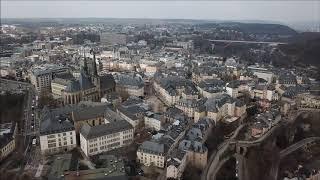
(246, 42)
(297, 146)
(238, 149)
(215, 156)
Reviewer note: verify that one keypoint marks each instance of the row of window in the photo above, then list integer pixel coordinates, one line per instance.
(107, 147)
(105, 137)
(151, 156)
(59, 135)
(53, 143)
(8, 147)
(127, 136)
(159, 164)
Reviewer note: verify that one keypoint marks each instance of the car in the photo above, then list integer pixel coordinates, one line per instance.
(32, 114)
(140, 172)
(34, 141)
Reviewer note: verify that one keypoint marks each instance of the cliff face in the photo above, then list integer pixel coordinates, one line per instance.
(262, 163)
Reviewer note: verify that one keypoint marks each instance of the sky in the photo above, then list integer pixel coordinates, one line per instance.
(278, 11)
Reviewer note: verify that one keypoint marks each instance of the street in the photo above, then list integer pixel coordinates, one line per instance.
(31, 124)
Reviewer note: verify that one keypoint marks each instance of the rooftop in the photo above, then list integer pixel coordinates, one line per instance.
(89, 132)
(55, 123)
(152, 147)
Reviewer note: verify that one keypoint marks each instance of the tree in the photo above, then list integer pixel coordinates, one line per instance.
(47, 100)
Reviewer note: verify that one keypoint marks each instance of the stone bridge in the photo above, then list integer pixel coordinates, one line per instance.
(298, 145)
(238, 149)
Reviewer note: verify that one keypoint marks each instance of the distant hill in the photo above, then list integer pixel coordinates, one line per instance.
(303, 48)
(254, 28)
(276, 29)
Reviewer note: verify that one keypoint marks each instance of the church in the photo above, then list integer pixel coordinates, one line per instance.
(90, 86)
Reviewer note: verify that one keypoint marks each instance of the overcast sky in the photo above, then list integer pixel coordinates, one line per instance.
(282, 11)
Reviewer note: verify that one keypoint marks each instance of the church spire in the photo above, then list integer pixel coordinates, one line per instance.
(85, 64)
(95, 72)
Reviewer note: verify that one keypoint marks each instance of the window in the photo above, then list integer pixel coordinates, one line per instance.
(51, 145)
(51, 141)
(51, 136)
(64, 134)
(70, 133)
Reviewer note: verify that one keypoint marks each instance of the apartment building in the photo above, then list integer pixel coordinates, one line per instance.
(41, 77)
(190, 106)
(191, 150)
(42, 81)
(264, 92)
(211, 88)
(105, 137)
(224, 106)
(131, 84)
(133, 110)
(153, 121)
(7, 139)
(151, 154)
(176, 165)
(170, 89)
(7, 145)
(57, 134)
(58, 85)
(156, 151)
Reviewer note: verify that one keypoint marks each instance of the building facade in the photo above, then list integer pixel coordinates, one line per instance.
(151, 154)
(57, 134)
(106, 137)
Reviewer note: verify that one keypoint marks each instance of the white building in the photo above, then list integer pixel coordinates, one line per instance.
(151, 154)
(57, 134)
(153, 121)
(7, 139)
(105, 137)
(233, 89)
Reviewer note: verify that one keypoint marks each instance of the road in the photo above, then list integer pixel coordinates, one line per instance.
(31, 123)
(297, 146)
(30, 128)
(246, 42)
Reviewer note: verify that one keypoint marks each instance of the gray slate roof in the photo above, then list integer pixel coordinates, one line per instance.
(152, 147)
(89, 112)
(52, 123)
(89, 132)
